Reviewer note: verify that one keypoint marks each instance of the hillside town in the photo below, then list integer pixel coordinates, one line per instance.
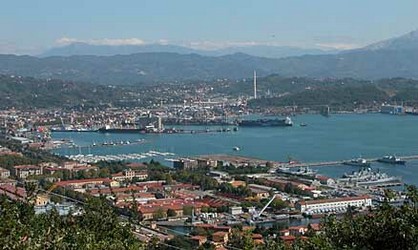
(208, 199)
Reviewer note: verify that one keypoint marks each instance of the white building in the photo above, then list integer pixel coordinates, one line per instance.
(4, 173)
(235, 210)
(129, 174)
(337, 205)
(23, 171)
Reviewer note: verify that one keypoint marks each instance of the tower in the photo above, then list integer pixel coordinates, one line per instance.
(255, 84)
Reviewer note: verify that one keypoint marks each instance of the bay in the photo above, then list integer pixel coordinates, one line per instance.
(338, 137)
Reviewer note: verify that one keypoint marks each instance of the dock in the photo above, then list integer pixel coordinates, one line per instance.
(244, 160)
(340, 162)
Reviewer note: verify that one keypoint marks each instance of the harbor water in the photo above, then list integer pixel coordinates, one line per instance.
(338, 137)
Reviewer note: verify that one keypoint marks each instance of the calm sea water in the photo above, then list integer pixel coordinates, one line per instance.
(337, 137)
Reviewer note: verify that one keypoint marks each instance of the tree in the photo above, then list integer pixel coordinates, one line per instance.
(242, 240)
(98, 227)
(179, 241)
(159, 214)
(171, 213)
(188, 210)
(278, 204)
(168, 179)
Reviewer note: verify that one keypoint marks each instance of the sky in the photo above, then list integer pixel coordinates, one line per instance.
(31, 26)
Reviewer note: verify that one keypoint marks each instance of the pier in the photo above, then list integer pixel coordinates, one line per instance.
(340, 162)
(243, 160)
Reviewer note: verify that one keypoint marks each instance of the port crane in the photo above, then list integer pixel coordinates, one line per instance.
(256, 215)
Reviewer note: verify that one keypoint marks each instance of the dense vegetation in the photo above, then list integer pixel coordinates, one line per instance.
(97, 228)
(342, 94)
(388, 227)
(274, 91)
(30, 92)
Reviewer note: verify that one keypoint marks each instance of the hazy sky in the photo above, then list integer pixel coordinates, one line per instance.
(29, 26)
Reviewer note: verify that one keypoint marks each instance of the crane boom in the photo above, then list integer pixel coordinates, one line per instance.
(265, 207)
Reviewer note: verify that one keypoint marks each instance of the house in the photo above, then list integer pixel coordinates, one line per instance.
(42, 199)
(215, 228)
(258, 239)
(260, 191)
(4, 173)
(185, 163)
(23, 171)
(201, 163)
(199, 240)
(220, 237)
(335, 205)
(83, 183)
(76, 166)
(147, 210)
(298, 230)
(289, 239)
(140, 198)
(284, 232)
(325, 180)
(238, 183)
(13, 192)
(8, 181)
(235, 210)
(129, 174)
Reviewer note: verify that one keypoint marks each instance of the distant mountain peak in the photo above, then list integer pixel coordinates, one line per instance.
(407, 41)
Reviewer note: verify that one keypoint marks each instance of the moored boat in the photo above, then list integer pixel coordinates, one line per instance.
(391, 159)
(359, 162)
(266, 123)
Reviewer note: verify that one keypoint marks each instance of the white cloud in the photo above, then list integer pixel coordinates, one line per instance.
(339, 46)
(214, 45)
(66, 41)
(205, 44)
(163, 42)
(104, 41)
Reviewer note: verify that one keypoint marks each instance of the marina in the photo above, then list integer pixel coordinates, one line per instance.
(119, 157)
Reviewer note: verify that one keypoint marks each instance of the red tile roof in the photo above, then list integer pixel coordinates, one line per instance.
(82, 181)
(26, 167)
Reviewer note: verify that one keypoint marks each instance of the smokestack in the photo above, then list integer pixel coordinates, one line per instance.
(255, 84)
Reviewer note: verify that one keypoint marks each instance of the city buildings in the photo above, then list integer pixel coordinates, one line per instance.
(333, 205)
(4, 173)
(23, 171)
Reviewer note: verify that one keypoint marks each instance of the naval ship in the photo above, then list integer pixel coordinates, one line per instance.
(266, 122)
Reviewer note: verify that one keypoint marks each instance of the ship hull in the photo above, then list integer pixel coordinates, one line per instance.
(264, 123)
(121, 131)
(355, 164)
(401, 162)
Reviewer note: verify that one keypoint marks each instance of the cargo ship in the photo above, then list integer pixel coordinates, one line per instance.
(266, 123)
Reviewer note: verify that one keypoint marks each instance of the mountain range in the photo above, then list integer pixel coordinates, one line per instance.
(80, 48)
(396, 57)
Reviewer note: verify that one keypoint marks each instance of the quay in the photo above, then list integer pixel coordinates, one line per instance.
(243, 160)
(222, 129)
(237, 159)
(340, 162)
